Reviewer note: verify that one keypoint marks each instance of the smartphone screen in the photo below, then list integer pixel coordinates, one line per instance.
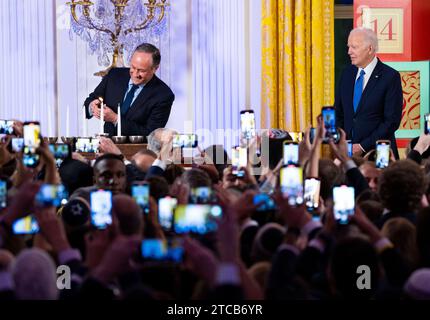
(184, 141)
(60, 151)
(329, 119)
(51, 195)
(6, 127)
(95, 142)
(3, 194)
(344, 203)
(238, 160)
(382, 153)
(312, 135)
(296, 136)
(17, 144)
(196, 218)
(166, 206)
(90, 145)
(161, 250)
(31, 143)
(201, 195)
(312, 193)
(247, 123)
(32, 134)
(291, 152)
(292, 184)
(349, 144)
(27, 225)
(267, 202)
(101, 208)
(427, 123)
(140, 193)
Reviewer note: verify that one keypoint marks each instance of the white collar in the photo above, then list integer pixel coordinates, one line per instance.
(369, 68)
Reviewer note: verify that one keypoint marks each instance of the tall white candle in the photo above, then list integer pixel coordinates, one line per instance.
(101, 116)
(84, 122)
(50, 122)
(34, 113)
(119, 120)
(68, 122)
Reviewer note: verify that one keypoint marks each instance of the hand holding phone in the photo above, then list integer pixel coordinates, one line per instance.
(292, 184)
(344, 203)
(17, 144)
(166, 206)
(291, 153)
(158, 250)
(3, 194)
(51, 195)
(247, 124)
(196, 218)
(6, 127)
(185, 141)
(239, 159)
(382, 153)
(101, 208)
(26, 225)
(31, 143)
(312, 193)
(329, 120)
(140, 193)
(427, 123)
(61, 152)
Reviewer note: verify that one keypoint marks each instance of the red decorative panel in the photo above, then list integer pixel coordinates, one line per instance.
(411, 100)
(401, 25)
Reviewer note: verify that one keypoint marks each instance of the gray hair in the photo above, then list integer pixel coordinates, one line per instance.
(35, 277)
(370, 36)
(153, 50)
(157, 137)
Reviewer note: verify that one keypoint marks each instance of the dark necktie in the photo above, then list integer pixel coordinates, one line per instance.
(358, 90)
(128, 99)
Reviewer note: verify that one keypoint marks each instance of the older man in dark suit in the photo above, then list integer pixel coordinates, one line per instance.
(369, 96)
(145, 100)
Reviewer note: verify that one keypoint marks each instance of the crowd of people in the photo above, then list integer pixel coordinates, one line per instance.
(265, 249)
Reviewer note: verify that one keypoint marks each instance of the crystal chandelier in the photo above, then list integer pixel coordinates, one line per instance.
(114, 28)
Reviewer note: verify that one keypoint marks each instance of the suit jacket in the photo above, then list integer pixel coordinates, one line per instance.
(379, 112)
(149, 111)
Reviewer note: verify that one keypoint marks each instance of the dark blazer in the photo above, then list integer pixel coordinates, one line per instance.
(149, 111)
(379, 111)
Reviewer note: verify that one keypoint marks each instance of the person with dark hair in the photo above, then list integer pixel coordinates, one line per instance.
(76, 174)
(145, 100)
(348, 255)
(109, 174)
(401, 187)
(371, 173)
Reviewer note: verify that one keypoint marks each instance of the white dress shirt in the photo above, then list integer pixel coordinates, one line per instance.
(368, 71)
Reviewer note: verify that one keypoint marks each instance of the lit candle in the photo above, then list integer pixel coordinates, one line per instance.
(49, 122)
(119, 119)
(68, 122)
(34, 112)
(84, 122)
(101, 116)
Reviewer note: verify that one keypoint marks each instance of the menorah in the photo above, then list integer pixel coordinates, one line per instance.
(117, 26)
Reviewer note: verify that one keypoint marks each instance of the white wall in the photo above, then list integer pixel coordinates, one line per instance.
(210, 59)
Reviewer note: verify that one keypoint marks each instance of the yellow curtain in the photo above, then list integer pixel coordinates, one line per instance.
(297, 62)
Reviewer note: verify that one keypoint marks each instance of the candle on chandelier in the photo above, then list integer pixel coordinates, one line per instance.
(101, 116)
(119, 120)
